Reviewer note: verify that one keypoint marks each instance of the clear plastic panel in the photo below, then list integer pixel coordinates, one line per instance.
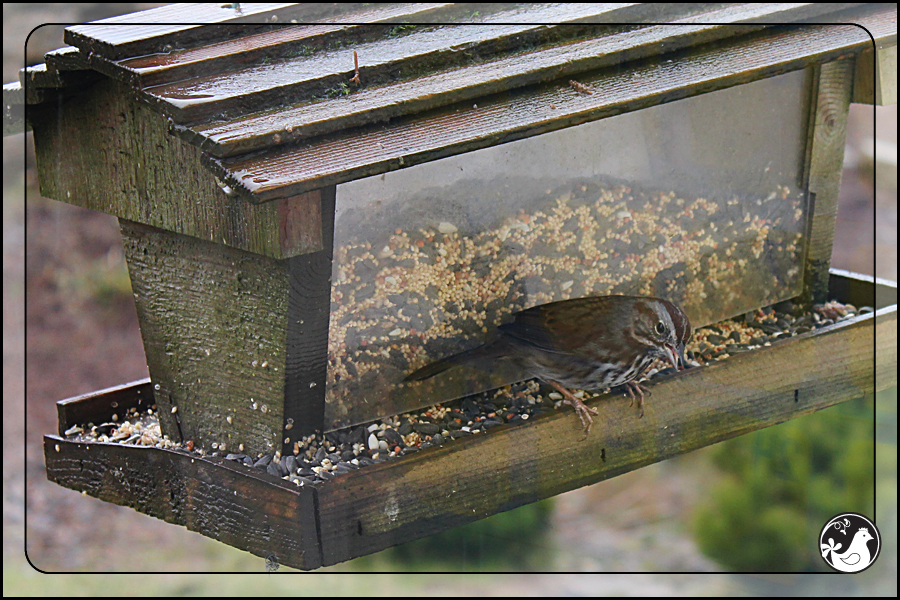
(698, 201)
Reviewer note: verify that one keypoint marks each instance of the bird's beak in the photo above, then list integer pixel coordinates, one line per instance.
(675, 354)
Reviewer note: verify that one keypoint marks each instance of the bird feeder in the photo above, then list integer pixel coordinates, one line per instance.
(310, 212)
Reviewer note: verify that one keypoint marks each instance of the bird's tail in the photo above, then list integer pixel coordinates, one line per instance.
(481, 357)
(428, 371)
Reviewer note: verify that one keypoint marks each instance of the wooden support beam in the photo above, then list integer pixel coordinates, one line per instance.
(825, 156)
(236, 342)
(875, 76)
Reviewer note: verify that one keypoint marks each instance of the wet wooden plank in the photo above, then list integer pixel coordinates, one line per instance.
(99, 406)
(373, 104)
(384, 57)
(504, 117)
(208, 60)
(180, 25)
(231, 503)
(263, 47)
(150, 31)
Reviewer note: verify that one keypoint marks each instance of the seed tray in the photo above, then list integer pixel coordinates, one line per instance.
(318, 458)
(434, 488)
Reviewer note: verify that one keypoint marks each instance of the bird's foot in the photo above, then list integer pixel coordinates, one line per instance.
(635, 388)
(631, 389)
(583, 411)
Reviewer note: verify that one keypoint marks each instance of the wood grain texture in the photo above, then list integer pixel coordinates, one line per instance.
(159, 54)
(162, 29)
(226, 502)
(214, 322)
(103, 150)
(833, 86)
(236, 342)
(392, 99)
(236, 50)
(886, 348)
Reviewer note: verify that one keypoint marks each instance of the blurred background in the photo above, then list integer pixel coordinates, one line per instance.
(70, 328)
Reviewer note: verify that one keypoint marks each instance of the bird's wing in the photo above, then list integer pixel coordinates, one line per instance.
(559, 327)
(531, 335)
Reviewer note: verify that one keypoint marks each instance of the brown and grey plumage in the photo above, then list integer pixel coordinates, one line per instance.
(585, 343)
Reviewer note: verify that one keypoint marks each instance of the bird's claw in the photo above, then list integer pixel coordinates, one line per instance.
(633, 387)
(583, 411)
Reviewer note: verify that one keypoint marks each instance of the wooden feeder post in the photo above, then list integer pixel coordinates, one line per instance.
(283, 289)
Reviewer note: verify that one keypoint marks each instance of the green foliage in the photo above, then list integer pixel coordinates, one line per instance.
(401, 30)
(300, 51)
(510, 540)
(783, 484)
(342, 89)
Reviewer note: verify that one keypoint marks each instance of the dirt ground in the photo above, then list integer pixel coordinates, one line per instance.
(67, 302)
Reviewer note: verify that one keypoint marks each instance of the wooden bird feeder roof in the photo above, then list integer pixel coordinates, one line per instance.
(275, 112)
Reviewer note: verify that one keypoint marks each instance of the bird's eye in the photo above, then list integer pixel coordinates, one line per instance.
(660, 328)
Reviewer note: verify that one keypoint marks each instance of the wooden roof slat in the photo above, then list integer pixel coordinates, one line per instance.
(505, 117)
(380, 104)
(67, 58)
(44, 76)
(151, 30)
(314, 118)
(258, 86)
(159, 69)
(266, 45)
(272, 135)
(182, 25)
(298, 79)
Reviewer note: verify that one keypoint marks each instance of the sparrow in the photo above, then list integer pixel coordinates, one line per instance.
(585, 343)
